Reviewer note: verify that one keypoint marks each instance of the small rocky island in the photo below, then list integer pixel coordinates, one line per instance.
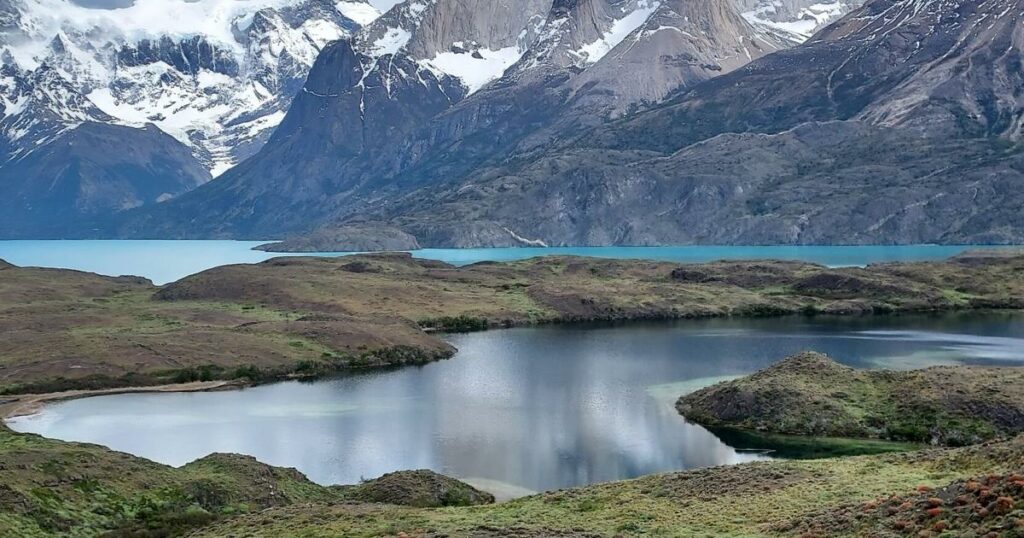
(810, 394)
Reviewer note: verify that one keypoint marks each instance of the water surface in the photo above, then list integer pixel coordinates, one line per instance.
(167, 261)
(521, 409)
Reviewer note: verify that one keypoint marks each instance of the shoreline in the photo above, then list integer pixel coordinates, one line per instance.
(276, 329)
(24, 405)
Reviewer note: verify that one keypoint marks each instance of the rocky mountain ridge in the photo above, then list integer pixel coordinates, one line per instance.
(418, 97)
(898, 124)
(354, 141)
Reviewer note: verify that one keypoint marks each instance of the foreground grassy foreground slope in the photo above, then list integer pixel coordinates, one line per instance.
(308, 316)
(53, 488)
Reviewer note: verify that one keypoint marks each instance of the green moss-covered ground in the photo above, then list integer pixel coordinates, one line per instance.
(767, 498)
(54, 488)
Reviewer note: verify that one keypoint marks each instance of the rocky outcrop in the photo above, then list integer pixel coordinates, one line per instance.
(681, 44)
(352, 238)
(190, 56)
(422, 488)
(988, 505)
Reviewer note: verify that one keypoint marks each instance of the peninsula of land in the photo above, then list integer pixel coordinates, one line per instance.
(302, 317)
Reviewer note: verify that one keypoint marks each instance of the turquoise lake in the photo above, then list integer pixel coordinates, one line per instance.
(167, 261)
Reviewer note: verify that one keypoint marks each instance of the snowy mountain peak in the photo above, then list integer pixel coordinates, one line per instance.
(474, 41)
(217, 75)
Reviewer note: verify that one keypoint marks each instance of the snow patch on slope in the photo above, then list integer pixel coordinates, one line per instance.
(474, 68)
(804, 24)
(361, 13)
(391, 42)
(621, 28)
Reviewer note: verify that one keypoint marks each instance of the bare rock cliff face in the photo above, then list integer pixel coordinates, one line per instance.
(407, 110)
(899, 124)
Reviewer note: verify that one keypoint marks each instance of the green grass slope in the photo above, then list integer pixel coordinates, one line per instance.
(54, 488)
(787, 498)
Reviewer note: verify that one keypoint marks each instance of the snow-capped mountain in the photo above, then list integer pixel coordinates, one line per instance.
(434, 88)
(37, 106)
(473, 41)
(310, 111)
(217, 75)
(680, 43)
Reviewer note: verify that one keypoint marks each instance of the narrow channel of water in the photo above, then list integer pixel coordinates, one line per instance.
(167, 261)
(523, 409)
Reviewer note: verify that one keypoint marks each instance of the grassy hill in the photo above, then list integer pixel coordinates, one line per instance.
(54, 488)
(810, 394)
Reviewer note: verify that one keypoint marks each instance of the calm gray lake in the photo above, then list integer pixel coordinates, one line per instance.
(521, 409)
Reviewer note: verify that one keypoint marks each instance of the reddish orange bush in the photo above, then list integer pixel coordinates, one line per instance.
(1004, 504)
